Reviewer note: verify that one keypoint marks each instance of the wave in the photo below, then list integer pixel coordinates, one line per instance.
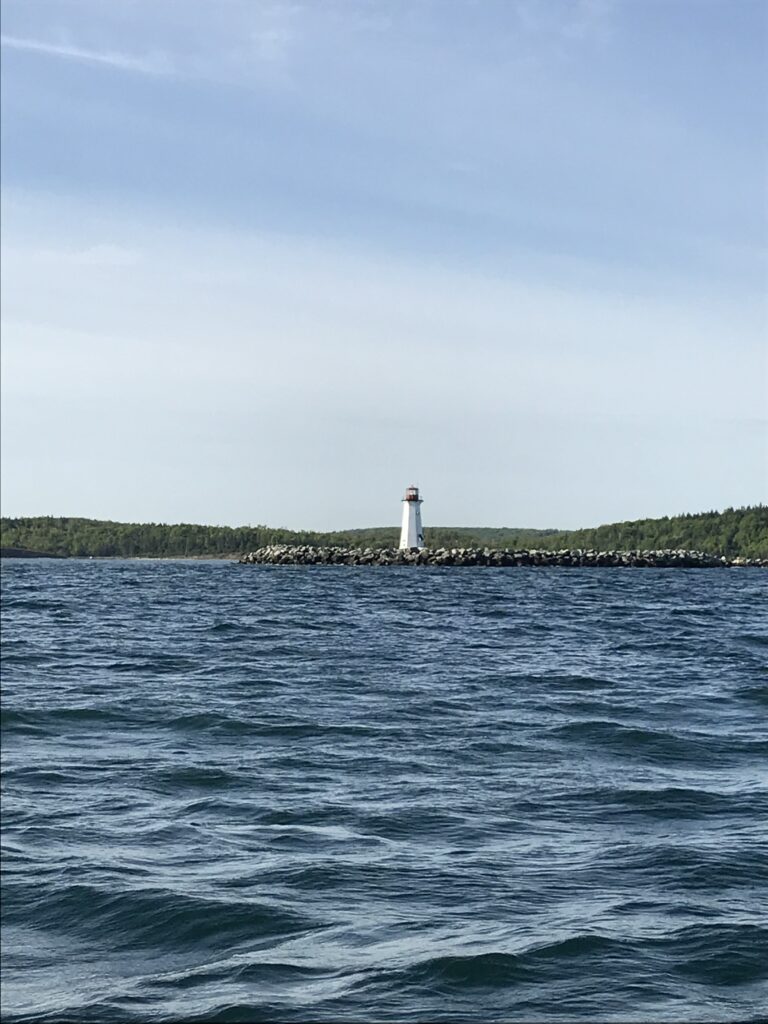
(33, 604)
(717, 954)
(690, 868)
(157, 664)
(664, 802)
(654, 744)
(196, 776)
(24, 723)
(150, 918)
(45, 721)
(757, 693)
(574, 682)
(758, 639)
(217, 722)
(489, 970)
(727, 955)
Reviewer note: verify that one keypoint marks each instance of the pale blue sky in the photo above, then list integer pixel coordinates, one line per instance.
(274, 261)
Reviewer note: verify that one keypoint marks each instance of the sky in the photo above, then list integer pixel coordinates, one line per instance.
(272, 261)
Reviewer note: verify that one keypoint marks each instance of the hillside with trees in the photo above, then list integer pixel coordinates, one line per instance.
(733, 532)
(103, 539)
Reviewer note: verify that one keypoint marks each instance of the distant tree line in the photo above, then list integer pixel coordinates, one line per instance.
(735, 531)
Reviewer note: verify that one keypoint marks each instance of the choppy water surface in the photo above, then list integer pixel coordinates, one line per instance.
(238, 793)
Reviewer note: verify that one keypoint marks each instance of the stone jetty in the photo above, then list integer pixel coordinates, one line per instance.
(287, 554)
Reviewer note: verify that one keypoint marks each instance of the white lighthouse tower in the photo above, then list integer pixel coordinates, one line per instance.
(411, 534)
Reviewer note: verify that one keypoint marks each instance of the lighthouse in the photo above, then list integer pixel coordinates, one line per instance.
(411, 534)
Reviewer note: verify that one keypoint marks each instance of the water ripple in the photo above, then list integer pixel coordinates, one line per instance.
(245, 794)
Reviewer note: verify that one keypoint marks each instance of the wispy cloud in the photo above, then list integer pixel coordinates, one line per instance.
(274, 30)
(101, 255)
(147, 64)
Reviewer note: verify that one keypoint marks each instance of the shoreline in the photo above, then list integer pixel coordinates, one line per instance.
(233, 556)
(284, 554)
(275, 555)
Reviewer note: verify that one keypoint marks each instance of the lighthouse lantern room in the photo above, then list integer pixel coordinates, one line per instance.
(411, 534)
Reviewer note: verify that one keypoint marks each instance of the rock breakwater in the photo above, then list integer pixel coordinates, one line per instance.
(286, 554)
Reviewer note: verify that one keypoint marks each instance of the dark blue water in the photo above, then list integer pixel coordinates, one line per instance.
(237, 793)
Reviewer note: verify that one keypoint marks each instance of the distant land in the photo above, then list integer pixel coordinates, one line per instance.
(735, 532)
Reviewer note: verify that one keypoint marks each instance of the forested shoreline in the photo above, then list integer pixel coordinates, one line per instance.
(733, 533)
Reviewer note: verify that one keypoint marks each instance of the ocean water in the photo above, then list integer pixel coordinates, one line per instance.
(240, 793)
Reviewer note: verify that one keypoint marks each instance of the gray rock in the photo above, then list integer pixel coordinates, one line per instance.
(285, 554)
